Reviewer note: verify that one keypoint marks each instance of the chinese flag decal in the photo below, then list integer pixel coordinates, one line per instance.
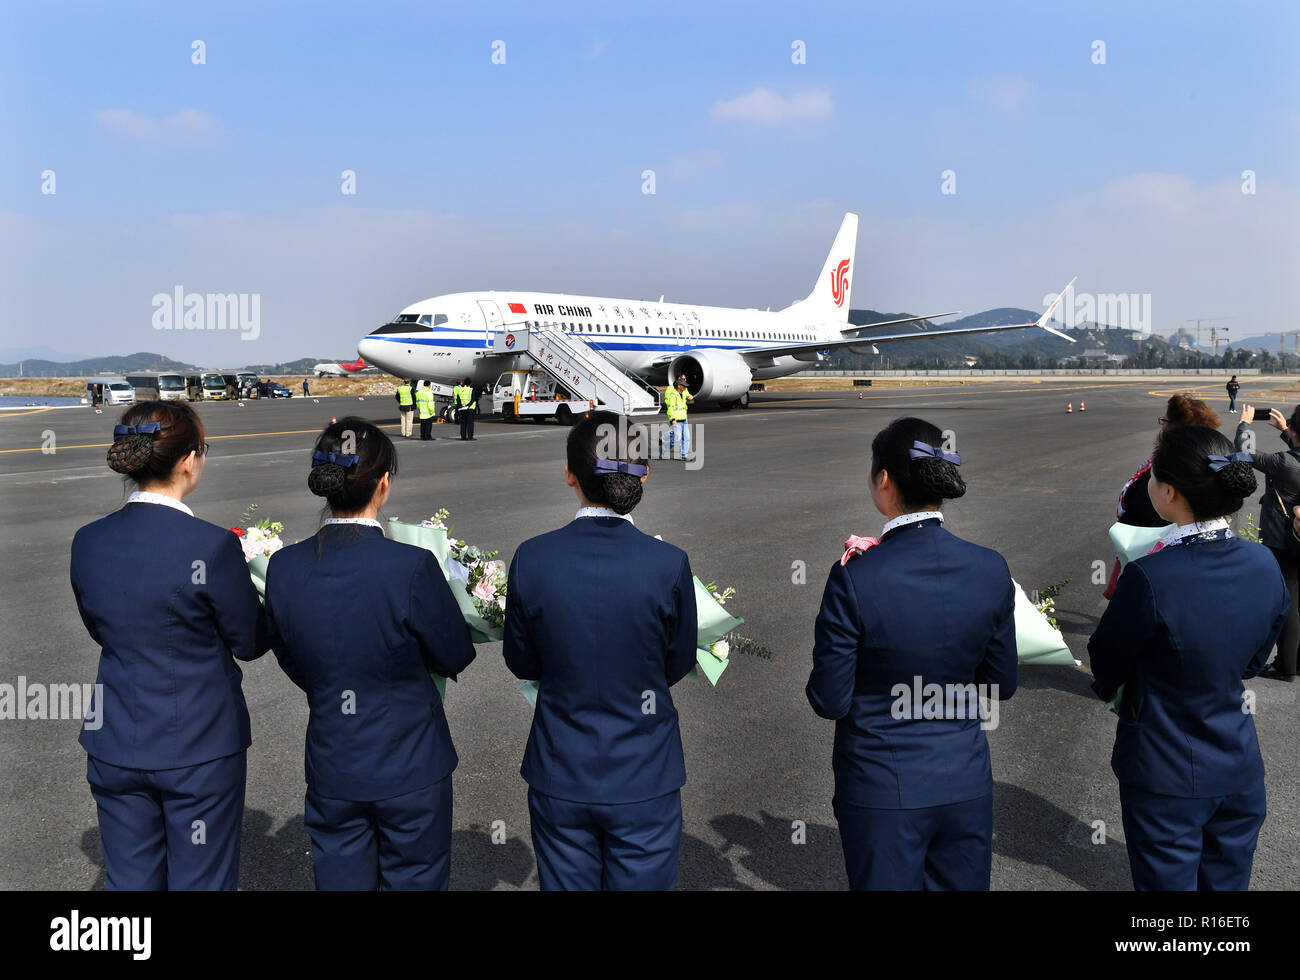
(517, 308)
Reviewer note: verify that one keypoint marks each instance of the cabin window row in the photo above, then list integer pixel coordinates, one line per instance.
(671, 331)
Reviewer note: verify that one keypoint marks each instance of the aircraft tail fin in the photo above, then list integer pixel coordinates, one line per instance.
(829, 299)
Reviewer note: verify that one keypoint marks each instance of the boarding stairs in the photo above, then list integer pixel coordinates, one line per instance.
(583, 369)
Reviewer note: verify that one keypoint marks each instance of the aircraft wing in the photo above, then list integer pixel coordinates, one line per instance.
(759, 356)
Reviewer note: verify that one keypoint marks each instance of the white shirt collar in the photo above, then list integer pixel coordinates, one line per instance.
(1196, 527)
(149, 497)
(904, 519)
(603, 512)
(368, 521)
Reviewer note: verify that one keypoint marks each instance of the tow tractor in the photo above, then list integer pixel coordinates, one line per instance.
(537, 395)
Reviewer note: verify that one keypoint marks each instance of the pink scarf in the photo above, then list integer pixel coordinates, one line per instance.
(855, 545)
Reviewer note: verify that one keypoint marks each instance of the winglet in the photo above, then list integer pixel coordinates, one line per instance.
(1047, 315)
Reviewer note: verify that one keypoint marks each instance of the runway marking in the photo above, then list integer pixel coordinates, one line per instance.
(35, 411)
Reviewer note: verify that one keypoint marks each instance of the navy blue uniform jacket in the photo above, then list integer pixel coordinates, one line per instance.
(371, 617)
(168, 598)
(1185, 626)
(603, 616)
(922, 603)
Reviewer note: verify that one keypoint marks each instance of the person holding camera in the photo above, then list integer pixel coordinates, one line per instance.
(1277, 520)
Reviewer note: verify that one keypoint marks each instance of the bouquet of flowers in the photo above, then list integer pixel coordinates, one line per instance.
(713, 623)
(1038, 639)
(260, 541)
(476, 577)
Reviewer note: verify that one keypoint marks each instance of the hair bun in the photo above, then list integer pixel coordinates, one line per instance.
(327, 479)
(622, 491)
(1238, 478)
(130, 454)
(940, 478)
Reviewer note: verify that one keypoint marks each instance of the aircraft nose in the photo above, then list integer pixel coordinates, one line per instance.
(367, 349)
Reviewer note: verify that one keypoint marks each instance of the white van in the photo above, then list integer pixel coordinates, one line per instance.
(171, 387)
(109, 391)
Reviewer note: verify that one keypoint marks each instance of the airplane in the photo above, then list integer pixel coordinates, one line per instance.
(339, 370)
(719, 350)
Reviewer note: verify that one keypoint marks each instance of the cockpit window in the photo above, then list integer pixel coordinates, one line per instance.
(402, 326)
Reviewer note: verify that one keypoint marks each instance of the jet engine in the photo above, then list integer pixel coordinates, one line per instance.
(712, 375)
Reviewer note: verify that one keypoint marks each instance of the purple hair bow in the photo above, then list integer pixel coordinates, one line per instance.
(319, 458)
(143, 429)
(619, 466)
(923, 450)
(1219, 462)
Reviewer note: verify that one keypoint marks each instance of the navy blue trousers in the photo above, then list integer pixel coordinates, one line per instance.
(1177, 844)
(399, 844)
(933, 848)
(606, 846)
(170, 829)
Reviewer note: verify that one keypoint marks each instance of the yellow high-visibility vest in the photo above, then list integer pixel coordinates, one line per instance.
(404, 395)
(675, 402)
(424, 403)
(464, 396)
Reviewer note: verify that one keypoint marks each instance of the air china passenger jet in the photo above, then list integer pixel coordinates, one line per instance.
(339, 370)
(721, 351)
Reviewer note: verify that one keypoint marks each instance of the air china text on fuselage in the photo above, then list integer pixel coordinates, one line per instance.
(720, 350)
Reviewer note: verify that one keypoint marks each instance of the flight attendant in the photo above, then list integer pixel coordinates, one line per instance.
(916, 608)
(604, 760)
(169, 600)
(358, 622)
(1186, 624)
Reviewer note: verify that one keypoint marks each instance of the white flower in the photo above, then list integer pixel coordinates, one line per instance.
(501, 602)
(254, 534)
(721, 649)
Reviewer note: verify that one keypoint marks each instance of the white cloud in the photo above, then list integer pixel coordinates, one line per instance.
(767, 108)
(1006, 93)
(184, 126)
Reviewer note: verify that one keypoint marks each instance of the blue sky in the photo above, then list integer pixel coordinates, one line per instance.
(225, 176)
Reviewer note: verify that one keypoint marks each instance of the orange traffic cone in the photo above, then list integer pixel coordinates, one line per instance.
(333, 419)
(1069, 407)
(1082, 406)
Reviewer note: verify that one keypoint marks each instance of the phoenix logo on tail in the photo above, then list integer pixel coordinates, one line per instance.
(839, 282)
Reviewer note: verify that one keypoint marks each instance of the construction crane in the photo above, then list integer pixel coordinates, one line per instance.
(1281, 336)
(1214, 331)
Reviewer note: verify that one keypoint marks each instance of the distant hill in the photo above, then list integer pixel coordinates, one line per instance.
(145, 362)
(129, 364)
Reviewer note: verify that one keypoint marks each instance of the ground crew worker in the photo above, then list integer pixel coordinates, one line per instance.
(675, 401)
(466, 402)
(406, 407)
(424, 406)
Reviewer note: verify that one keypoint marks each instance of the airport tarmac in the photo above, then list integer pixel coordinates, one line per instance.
(780, 484)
